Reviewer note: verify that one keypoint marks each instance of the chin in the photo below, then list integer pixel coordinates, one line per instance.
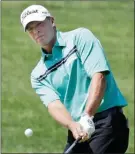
(45, 43)
(41, 43)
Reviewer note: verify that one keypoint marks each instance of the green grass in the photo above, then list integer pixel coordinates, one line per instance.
(111, 22)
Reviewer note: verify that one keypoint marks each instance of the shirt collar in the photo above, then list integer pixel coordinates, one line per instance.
(59, 42)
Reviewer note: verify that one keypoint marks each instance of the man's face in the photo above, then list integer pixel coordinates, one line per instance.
(42, 32)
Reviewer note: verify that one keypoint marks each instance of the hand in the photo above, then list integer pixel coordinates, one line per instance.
(77, 130)
(87, 124)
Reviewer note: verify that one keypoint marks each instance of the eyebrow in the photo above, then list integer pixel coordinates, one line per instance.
(30, 25)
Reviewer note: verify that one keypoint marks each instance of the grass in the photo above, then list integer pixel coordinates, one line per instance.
(111, 22)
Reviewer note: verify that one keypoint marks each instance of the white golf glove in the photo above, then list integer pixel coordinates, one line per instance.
(87, 124)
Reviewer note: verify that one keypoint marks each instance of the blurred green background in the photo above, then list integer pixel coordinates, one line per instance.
(111, 22)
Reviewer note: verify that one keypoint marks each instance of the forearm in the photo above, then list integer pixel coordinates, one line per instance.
(59, 113)
(96, 93)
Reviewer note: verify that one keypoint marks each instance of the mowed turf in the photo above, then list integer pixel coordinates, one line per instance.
(111, 22)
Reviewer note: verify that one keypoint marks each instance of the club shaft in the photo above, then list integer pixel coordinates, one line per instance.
(73, 145)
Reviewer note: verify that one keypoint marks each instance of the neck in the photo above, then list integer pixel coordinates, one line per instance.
(48, 47)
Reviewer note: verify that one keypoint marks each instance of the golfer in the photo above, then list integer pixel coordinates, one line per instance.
(74, 81)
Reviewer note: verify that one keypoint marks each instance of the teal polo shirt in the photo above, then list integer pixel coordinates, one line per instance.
(66, 74)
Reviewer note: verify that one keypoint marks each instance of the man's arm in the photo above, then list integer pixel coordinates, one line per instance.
(58, 111)
(94, 61)
(50, 99)
(96, 93)
(95, 64)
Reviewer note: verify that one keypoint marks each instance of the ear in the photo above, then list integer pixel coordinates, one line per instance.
(52, 20)
(53, 24)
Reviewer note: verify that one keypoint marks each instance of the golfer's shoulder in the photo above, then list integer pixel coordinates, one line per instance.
(77, 33)
(38, 70)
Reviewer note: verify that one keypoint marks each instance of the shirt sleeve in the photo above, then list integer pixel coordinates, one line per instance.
(45, 91)
(91, 53)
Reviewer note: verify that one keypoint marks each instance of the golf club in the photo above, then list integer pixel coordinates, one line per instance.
(73, 145)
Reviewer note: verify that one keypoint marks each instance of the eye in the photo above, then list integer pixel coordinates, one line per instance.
(39, 23)
(29, 29)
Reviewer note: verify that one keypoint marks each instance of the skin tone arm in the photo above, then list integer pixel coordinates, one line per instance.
(58, 111)
(96, 93)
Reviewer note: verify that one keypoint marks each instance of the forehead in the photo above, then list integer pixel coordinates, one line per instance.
(33, 23)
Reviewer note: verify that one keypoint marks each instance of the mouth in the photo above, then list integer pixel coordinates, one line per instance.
(39, 37)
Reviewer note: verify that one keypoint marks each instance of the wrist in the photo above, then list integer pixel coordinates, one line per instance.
(69, 123)
(89, 111)
(85, 114)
